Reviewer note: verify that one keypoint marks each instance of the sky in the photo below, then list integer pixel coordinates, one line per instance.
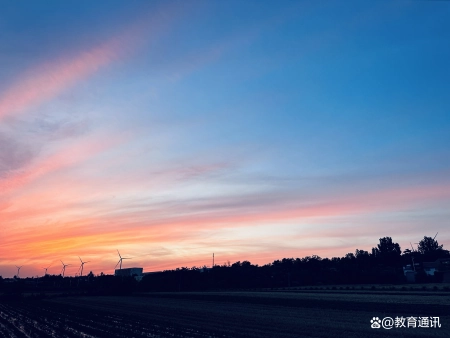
(254, 130)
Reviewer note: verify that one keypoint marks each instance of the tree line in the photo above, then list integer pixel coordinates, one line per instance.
(384, 264)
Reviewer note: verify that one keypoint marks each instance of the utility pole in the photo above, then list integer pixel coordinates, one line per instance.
(212, 272)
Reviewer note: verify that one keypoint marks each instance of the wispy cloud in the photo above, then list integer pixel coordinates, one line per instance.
(49, 80)
(65, 158)
(46, 81)
(13, 155)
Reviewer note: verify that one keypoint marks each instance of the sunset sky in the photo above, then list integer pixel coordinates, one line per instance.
(256, 130)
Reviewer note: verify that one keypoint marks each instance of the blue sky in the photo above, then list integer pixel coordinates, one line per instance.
(171, 130)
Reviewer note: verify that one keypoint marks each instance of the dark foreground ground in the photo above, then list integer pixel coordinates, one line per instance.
(225, 314)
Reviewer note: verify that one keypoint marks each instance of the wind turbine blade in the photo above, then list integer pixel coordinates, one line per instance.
(80, 259)
(435, 235)
(119, 254)
(117, 264)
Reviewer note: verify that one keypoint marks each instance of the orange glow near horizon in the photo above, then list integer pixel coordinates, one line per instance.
(183, 237)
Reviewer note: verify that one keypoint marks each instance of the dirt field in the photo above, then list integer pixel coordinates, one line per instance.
(227, 314)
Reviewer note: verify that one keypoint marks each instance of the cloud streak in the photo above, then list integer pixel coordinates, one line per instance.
(67, 157)
(49, 80)
(46, 81)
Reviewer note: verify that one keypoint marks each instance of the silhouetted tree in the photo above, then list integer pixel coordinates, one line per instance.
(388, 252)
(350, 256)
(407, 252)
(387, 247)
(428, 245)
(361, 254)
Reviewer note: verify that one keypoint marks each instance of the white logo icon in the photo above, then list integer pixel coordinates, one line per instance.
(375, 323)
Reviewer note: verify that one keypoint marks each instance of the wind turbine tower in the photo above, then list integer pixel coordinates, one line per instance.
(81, 266)
(18, 270)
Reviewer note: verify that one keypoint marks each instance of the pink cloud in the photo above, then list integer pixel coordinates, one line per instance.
(49, 80)
(69, 156)
(46, 81)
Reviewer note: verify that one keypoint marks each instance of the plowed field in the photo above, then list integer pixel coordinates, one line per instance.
(225, 314)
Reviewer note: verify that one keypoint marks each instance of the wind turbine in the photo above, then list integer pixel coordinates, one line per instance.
(18, 270)
(120, 260)
(46, 270)
(64, 268)
(81, 266)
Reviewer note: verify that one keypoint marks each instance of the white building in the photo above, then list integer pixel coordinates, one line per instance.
(130, 272)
